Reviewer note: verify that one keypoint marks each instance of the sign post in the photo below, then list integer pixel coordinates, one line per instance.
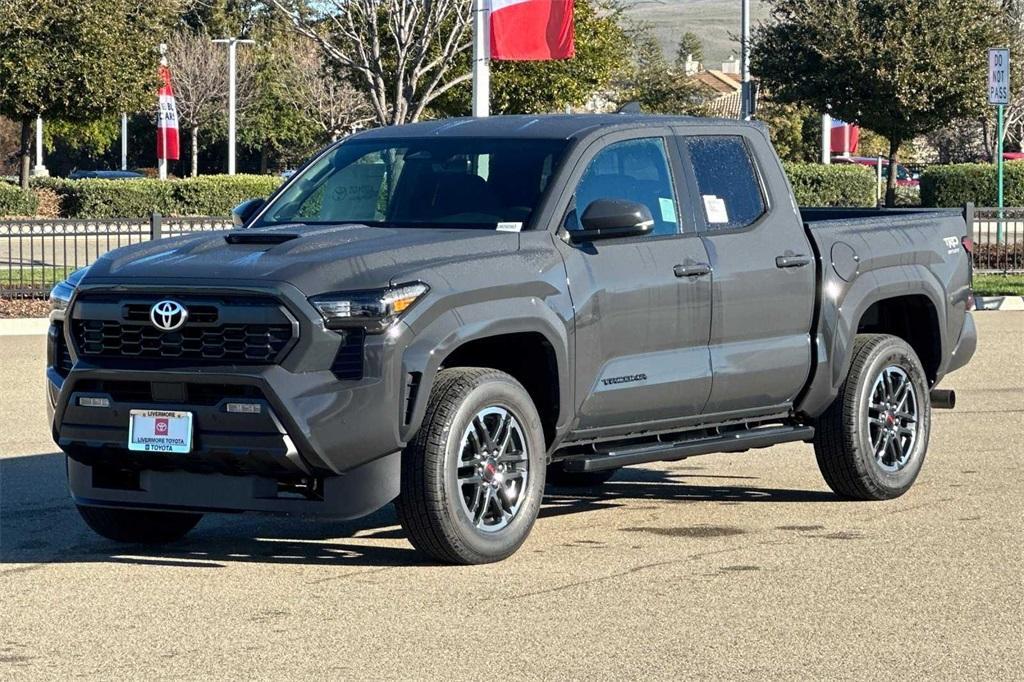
(999, 95)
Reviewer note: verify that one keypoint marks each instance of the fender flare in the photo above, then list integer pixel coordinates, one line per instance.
(481, 320)
(842, 307)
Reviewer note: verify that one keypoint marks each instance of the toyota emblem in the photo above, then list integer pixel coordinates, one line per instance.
(168, 315)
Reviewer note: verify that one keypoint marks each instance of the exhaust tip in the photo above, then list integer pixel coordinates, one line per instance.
(943, 399)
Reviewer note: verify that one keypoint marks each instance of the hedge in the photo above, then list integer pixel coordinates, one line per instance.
(957, 184)
(847, 185)
(15, 201)
(206, 195)
(814, 185)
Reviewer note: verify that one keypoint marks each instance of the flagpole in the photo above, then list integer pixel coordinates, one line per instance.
(161, 162)
(481, 58)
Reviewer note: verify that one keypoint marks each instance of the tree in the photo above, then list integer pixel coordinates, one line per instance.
(690, 47)
(400, 52)
(656, 86)
(327, 99)
(200, 79)
(77, 61)
(899, 67)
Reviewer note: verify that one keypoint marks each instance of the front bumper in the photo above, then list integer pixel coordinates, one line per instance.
(317, 442)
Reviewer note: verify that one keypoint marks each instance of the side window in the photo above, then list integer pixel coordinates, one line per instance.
(634, 170)
(726, 180)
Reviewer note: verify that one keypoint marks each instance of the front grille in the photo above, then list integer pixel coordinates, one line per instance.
(258, 343)
(219, 330)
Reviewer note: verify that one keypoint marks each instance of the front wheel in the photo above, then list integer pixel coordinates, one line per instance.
(473, 478)
(871, 442)
(138, 525)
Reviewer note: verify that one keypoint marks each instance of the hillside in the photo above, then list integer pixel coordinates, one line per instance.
(717, 22)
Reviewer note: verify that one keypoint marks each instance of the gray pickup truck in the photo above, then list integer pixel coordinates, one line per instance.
(449, 314)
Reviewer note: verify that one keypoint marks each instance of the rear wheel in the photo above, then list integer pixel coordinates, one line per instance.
(139, 525)
(871, 442)
(473, 478)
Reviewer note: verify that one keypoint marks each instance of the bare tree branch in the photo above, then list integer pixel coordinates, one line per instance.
(403, 51)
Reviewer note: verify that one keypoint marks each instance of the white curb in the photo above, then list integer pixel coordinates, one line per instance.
(24, 326)
(999, 302)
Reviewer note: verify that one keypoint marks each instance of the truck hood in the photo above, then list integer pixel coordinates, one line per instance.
(317, 260)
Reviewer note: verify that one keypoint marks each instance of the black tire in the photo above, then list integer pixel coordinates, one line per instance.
(433, 507)
(846, 434)
(139, 525)
(558, 476)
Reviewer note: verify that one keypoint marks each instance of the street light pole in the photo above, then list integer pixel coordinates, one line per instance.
(745, 103)
(232, 43)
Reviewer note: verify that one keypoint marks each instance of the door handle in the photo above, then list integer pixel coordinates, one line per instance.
(692, 270)
(797, 261)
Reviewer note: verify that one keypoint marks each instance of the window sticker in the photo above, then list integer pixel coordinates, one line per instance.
(668, 210)
(714, 209)
(510, 227)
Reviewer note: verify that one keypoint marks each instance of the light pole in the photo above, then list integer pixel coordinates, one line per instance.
(745, 103)
(231, 43)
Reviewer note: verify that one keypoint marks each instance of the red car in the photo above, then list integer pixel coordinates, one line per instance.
(904, 178)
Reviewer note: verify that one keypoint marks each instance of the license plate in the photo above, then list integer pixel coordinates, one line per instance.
(159, 431)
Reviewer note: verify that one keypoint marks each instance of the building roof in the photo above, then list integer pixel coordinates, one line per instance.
(718, 81)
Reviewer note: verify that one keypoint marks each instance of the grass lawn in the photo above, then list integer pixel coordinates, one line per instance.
(999, 285)
(32, 277)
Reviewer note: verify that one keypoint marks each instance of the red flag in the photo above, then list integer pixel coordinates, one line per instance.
(529, 30)
(166, 119)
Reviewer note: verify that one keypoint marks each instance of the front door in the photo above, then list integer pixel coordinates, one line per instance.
(643, 304)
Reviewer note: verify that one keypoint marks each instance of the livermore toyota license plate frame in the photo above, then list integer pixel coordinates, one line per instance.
(160, 431)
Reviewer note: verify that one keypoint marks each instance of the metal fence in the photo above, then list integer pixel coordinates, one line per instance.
(35, 254)
(998, 239)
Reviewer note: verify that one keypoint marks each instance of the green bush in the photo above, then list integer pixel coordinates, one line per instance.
(213, 195)
(218, 194)
(15, 201)
(817, 185)
(957, 184)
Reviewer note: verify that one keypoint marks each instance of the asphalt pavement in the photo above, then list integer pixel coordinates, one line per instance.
(721, 567)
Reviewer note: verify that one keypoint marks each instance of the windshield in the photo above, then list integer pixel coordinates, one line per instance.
(421, 182)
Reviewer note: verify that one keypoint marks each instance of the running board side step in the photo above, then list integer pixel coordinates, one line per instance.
(735, 441)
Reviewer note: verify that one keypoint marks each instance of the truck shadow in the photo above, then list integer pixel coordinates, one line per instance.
(39, 524)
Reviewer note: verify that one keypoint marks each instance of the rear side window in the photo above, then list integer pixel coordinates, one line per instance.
(726, 181)
(634, 170)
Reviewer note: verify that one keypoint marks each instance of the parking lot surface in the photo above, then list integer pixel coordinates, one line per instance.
(722, 566)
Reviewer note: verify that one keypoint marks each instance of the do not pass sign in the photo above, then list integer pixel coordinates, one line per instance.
(998, 76)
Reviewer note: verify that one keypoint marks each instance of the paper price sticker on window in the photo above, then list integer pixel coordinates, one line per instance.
(714, 209)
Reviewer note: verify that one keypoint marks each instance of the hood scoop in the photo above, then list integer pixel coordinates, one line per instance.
(259, 237)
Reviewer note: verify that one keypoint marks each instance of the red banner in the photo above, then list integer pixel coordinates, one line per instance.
(166, 119)
(531, 30)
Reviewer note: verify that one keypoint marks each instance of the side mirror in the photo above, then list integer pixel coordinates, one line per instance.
(247, 209)
(608, 218)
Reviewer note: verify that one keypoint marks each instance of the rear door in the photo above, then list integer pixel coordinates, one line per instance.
(641, 323)
(763, 281)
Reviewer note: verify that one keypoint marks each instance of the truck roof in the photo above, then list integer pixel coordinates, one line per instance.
(537, 126)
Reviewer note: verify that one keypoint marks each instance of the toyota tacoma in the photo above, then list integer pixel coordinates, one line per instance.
(449, 314)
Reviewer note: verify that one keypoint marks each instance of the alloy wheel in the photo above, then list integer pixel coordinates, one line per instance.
(493, 468)
(893, 417)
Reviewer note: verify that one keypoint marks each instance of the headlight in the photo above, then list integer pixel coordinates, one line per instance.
(61, 293)
(375, 310)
